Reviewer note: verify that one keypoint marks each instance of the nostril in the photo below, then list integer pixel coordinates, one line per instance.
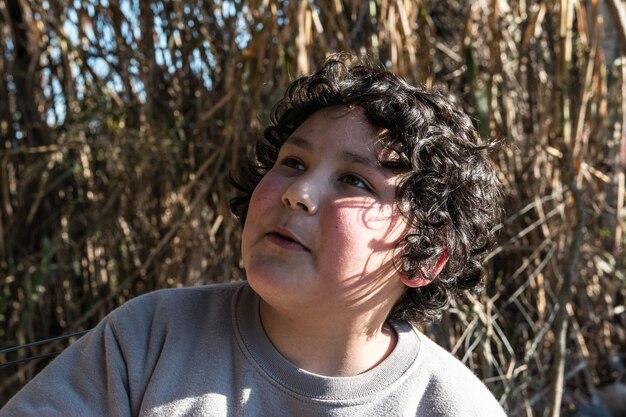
(298, 199)
(286, 201)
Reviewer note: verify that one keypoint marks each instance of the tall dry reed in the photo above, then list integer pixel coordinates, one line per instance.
(119, 123)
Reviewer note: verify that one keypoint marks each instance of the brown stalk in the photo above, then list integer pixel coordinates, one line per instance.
(139, 178)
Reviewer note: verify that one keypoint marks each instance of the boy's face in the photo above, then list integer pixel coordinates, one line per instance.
(322, 224)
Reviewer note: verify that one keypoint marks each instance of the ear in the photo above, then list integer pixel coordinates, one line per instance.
(427, 273)
(418, 281)
(440, 264)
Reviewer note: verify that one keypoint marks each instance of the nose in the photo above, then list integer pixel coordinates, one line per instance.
(299, 196)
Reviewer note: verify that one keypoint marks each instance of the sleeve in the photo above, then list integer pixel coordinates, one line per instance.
(89, 378)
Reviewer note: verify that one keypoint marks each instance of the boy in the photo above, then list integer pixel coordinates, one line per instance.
(367, 204)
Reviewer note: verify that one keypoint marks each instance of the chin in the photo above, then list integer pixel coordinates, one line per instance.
(277, 289)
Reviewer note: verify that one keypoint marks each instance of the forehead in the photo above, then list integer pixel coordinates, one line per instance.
(347, 130)
(339, 128)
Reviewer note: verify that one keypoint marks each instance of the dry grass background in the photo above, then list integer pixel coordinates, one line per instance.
(119, 121)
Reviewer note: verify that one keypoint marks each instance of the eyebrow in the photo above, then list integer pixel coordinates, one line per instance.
(361, 160)
(352, 157)
(299, 142)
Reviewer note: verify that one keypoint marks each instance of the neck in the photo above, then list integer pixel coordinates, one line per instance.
(343, 347)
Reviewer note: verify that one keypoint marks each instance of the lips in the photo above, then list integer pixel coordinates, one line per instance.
(286, 239)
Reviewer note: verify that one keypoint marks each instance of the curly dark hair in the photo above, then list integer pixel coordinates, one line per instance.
(449, 191)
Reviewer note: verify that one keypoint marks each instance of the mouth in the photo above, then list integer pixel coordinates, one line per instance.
(286, 239)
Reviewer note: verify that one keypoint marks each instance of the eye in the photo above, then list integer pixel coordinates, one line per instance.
(356, 181)
(293, 163)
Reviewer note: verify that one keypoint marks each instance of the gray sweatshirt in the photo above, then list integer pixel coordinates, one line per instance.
(202, 352)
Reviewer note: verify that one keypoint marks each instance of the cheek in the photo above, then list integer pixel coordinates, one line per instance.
(361, 245)
(258, 208)
(366, 230)
(264, 194)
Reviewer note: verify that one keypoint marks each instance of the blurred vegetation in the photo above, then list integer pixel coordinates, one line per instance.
(120, 119)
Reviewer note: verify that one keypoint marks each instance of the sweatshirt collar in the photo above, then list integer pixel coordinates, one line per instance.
(259, 350)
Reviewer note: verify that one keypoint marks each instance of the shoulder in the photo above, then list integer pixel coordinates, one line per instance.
(452, 388)
(108, 371)
(175, 309)
(171, 300)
